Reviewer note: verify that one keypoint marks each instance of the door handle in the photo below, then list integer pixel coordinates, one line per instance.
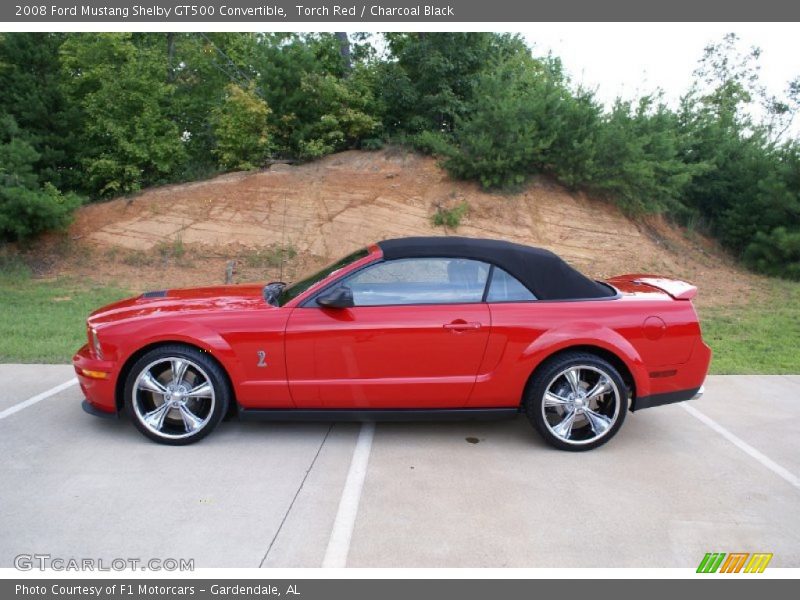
(460, 325)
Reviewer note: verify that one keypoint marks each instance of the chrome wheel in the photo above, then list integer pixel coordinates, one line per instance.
(173, 398)
(581, 404)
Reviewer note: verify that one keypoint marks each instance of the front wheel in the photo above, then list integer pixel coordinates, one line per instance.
(176, 394)
(577, 401)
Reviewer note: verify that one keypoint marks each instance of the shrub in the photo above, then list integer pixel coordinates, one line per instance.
(128, 139)
(776, 253)
(338, 115)
(450, 217)
(371, 144)
(26, 206)
(241, 128)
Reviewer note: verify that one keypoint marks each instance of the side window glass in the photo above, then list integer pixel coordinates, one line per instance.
(505, 288)
(420, 281)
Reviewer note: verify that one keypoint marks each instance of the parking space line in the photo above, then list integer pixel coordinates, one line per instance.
(38, 398)
(342, 532)
(296, 494)
(744, 446)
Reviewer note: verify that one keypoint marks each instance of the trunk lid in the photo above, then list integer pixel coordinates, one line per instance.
(675, 288)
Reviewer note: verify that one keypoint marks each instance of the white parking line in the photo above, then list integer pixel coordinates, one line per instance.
(342, 532)
(744, 446)
(38, 398)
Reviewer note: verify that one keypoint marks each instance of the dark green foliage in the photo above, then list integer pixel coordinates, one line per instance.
(32, 92)
(27, 207)
(432, 81)
(520, 122)
(776, 253)
(635, 159)
(371, 144)
(106, 114)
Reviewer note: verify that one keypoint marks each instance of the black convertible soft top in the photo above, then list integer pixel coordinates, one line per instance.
(541, 271)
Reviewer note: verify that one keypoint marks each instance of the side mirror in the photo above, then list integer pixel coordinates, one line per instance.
(340, 297)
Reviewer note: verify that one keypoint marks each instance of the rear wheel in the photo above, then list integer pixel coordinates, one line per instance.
(176, 394)
(577, 401)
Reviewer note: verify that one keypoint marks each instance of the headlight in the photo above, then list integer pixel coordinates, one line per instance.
(98, 351)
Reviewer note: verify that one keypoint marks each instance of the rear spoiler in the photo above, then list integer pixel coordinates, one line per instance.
(679, 290)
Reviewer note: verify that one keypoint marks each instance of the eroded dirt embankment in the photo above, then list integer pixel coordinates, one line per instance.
(181, 235)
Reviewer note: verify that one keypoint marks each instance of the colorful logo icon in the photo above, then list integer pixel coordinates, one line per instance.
(736, 562)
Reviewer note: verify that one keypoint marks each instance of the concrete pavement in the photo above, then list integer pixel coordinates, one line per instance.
(665, 491)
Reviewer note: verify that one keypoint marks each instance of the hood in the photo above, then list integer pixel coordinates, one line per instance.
(218, 298)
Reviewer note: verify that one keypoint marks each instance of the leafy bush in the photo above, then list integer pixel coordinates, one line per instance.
(431, 142)
(128, 139)
(450, 217)
(341, 109)
(371, 144)
(241, 126)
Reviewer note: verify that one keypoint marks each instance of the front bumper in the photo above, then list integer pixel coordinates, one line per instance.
(91, 409)
(97, 379)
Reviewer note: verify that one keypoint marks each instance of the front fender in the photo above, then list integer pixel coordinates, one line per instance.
(179, 331)
(589, 334)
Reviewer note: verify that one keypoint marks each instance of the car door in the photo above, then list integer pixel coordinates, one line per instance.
(413, 338)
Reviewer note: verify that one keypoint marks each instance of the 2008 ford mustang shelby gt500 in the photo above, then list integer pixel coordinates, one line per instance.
(413, 328)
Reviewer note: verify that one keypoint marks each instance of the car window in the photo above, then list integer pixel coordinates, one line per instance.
(294, 290)
(420, 281)
(506, 288)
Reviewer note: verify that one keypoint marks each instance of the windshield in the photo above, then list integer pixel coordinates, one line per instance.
(292, 291)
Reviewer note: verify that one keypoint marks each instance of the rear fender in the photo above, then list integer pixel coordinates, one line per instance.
(589, 334)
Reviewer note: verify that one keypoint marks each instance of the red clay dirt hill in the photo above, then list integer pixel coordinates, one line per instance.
(184, 235)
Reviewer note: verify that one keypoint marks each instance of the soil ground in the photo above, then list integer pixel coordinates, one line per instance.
(185, 235)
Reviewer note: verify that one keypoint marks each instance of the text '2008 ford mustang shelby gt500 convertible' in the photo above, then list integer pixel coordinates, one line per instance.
(413, 328)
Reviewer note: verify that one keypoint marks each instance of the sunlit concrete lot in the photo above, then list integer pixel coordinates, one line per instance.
(674, 484)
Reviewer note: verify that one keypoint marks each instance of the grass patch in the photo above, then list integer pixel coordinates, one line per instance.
(762, 337)
(44, 321)
(450, 217)
(270, 257)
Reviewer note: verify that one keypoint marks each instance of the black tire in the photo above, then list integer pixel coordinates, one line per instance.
(592, 425)
(189, 408)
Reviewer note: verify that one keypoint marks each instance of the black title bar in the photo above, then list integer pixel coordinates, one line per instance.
(452, 11)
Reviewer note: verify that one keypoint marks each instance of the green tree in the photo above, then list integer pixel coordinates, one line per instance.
(339, 114)
(128, 139)
(32, 93)
(433, 78)
(636, 158)
(749, 186)
(241, 126)
(27, 207)
(509, 125)
(202, 66)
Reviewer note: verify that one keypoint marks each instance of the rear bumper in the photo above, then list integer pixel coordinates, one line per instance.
(685, 381)
(667, 398)
(96, 378)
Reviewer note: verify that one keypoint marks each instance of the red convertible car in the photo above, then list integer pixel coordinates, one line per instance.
(406, 329)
